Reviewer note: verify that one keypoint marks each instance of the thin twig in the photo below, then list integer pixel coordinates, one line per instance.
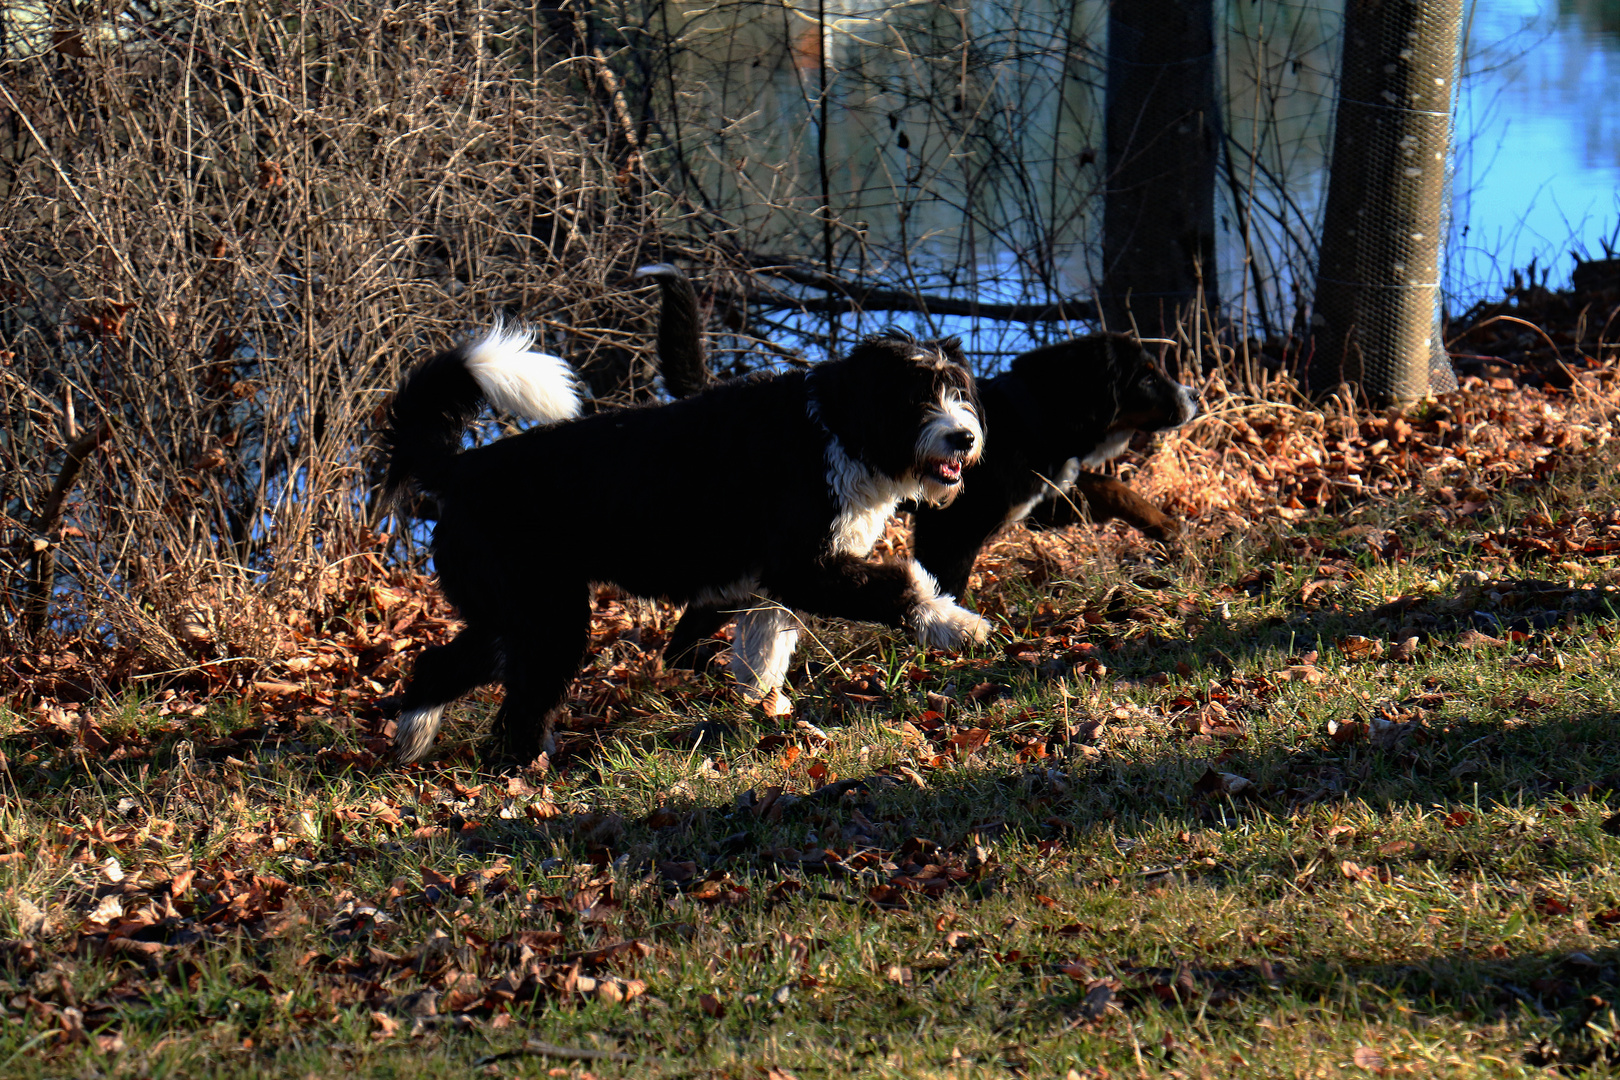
(42, 574)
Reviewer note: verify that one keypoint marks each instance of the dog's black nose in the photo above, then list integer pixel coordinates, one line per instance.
(961, 440)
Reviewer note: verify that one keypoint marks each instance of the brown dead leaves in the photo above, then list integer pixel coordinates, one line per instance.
(1245, 459)
(1215, 782)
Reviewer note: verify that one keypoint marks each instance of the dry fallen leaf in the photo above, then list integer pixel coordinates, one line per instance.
(968, 742)
(1224, 783)
(1367, 1058)
(31, 921)
(1473, 639)
(1348, 731)
(1356, 647)
(109, 910)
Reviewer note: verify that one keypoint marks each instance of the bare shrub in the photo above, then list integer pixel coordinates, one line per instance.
(222, 240)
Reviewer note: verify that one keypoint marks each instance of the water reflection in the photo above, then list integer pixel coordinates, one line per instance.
(962, 145)
(1538, 164)
(957, 147)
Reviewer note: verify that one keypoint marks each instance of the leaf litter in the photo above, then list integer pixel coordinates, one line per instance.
(152, 917)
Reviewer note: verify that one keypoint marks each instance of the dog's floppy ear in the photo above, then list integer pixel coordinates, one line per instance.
(1077, 382)
(845, 398)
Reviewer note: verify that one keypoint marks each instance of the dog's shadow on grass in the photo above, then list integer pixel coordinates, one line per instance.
(1460, 719)
(1530, 800)
(1516, 611)
(1560, 1003)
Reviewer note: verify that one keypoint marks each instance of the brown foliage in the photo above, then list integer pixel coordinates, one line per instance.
(224, 249)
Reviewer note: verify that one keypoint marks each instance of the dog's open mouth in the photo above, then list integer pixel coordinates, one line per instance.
(946, 470)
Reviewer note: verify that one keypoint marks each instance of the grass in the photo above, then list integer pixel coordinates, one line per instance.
(1156, 836)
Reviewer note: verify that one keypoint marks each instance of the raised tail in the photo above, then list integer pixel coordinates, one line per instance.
(680, 331)
(429, 416)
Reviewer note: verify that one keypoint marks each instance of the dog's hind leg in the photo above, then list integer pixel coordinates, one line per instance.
(538, 662)
(762, 649)
(442, 674)
(685, 646)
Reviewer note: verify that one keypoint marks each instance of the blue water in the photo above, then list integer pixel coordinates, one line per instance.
(1536, 156)
(1538, 143)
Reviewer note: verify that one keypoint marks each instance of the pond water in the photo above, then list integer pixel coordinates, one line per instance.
(977, 172)
(1538, 149)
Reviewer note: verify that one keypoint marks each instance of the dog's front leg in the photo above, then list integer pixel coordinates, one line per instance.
(899, 593)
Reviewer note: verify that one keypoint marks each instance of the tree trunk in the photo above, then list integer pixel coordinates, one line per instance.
(1162, 147)
(1376, 319)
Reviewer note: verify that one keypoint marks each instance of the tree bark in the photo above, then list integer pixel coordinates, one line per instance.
(1163, 144)
(1375, 323)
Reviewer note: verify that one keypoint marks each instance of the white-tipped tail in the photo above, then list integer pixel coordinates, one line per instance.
(518, 380)
(414, 732)
(940, 623)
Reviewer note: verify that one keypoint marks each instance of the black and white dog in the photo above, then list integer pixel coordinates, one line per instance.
(1056, 412)
(815, 462)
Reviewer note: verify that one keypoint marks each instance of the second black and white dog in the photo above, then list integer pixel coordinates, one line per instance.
(1057, 411)
(814, 463)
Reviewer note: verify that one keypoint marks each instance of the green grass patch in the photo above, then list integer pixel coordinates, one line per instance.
(1326, 799)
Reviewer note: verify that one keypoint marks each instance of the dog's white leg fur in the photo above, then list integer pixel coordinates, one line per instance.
(761, 650)
(940, 623)
(1056, 488)
(1113, 445)
(415, 731)
(518, 380)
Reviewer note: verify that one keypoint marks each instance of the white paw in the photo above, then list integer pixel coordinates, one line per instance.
(415, 731)
(941, 624)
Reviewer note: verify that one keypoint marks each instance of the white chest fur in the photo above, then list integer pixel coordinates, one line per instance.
(865, 501)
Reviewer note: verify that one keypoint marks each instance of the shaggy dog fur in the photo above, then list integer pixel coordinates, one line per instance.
(1057, 411)
(1060, 409)
(816, 462)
